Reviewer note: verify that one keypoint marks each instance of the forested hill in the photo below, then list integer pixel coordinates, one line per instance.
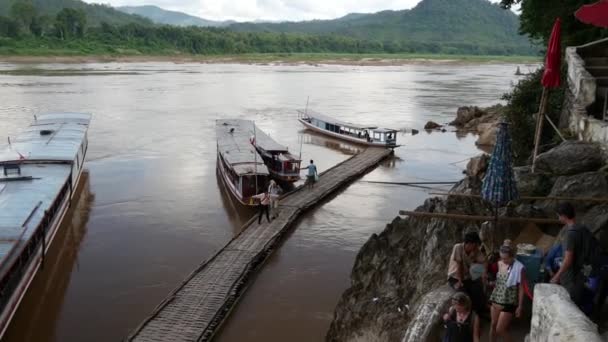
(96, 14)
(163, 16)
(447, 26)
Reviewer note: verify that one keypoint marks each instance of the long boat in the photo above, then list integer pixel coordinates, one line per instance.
(283, 166)
(241, 169)
(360, 134)
(39, 171)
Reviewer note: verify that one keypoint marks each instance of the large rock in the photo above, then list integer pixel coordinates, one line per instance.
(477, 166)
(395, 269)
(588, 184)
(487, 134)
(555, 318)
(571, 157)
(465, 114)
(531, 184)
(428, 315)
(432, 125)
(597, 221)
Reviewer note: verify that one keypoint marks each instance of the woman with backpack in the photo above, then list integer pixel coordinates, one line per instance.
(461, 322)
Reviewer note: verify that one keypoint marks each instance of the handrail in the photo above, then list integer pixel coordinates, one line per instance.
(20, 238)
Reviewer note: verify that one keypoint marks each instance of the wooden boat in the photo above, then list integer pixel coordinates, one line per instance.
(283, 166)
(241, 169)
(40, 169)
(359, 134)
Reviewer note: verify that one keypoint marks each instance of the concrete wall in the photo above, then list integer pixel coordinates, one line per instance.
(555, 318)
(581, 93)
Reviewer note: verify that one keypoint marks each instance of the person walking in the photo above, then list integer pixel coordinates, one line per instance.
(508, 295)
(311, 178)
(275, 192)
(461, 322)
(264, 199)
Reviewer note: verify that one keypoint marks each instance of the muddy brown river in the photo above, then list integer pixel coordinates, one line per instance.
(151, 208)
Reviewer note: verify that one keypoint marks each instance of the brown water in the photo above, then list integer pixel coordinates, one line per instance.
(152, 208)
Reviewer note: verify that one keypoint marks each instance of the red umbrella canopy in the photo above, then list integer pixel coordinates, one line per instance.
(554, 56)
(594, 14)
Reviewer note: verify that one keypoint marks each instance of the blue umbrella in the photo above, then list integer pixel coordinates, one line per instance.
(499, 186)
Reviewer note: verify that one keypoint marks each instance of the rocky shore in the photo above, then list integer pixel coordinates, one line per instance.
(398, 280)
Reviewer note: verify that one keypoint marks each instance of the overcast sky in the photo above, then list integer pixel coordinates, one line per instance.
(249, 10)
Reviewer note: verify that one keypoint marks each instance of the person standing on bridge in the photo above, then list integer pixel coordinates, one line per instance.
(264, 199)
(312, 176)
(275, 191)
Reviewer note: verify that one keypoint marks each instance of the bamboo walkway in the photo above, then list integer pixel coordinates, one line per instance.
(195, 309)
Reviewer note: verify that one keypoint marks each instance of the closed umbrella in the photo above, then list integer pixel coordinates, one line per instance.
(550, 80)
(594, 14)
(499, 186)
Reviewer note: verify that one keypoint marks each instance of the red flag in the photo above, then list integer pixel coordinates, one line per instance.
(551, 77)
(594, 14)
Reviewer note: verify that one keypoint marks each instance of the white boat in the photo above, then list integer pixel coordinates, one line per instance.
(39, 170)
(241, 168)
(359, 134)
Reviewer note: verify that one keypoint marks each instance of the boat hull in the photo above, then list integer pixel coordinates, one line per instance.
(36, 260)
(234, 192)
(345, 137)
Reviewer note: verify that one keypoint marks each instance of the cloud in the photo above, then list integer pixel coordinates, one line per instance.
(249, 10)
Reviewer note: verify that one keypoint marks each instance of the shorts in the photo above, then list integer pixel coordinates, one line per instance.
(508, 308)
(310, 179)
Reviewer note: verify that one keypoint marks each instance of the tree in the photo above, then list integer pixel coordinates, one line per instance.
(70, 22)
(538, 16)
(24, 13)
(8, 27)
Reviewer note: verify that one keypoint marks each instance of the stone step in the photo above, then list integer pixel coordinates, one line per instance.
(598, 71)
(596, 61)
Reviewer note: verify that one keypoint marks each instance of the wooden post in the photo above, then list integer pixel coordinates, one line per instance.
(464, 217)
(539, 125)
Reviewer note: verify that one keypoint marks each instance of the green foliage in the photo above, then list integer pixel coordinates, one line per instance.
(24, 13)
(8, 27)
(522, 105)
(475, 27)
(538, 16)
(70, 23)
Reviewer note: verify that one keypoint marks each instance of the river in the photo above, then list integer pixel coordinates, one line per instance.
(151, 208)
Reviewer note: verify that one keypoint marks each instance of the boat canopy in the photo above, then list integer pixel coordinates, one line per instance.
(329, 120)
(268, 144)
(234, 144)
(51, 137)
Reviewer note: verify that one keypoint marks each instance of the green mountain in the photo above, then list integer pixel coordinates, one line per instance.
(162, 16)
(96, 13)
(452, 26)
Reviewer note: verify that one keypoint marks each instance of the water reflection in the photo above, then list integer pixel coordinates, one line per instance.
(237, 213)
(313, 138)
(36, 318)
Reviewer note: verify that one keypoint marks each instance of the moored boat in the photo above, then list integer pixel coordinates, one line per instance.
(282, 165)
(360, 134)
(241, 169)
(40, 169)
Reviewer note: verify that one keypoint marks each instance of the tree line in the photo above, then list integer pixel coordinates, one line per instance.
(68, 28)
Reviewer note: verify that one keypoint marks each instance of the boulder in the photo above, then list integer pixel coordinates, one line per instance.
(428, 315)
(432, 125)
(531, 184)
(477, 166)
(465, 114)
(597, 221)
(588, 184)
(487, 134)
(571, 157)
(555, 318)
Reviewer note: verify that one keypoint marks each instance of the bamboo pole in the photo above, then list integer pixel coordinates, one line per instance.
(411, 183)
(465, 217)
(539, 125)
(532, 198)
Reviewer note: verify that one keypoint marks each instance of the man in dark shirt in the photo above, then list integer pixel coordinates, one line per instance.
(570, 274)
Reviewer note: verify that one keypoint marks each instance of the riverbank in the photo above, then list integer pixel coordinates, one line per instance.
(76, 57)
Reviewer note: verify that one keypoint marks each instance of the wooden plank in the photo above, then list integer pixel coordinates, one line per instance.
(464, 217)
(199, 305)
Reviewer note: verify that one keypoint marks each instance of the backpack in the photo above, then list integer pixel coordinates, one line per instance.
(589, 261)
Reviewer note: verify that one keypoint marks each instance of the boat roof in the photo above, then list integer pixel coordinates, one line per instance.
(25, 198)
(51, 137)
(234, 143)
(265, 142)
(325, 118)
